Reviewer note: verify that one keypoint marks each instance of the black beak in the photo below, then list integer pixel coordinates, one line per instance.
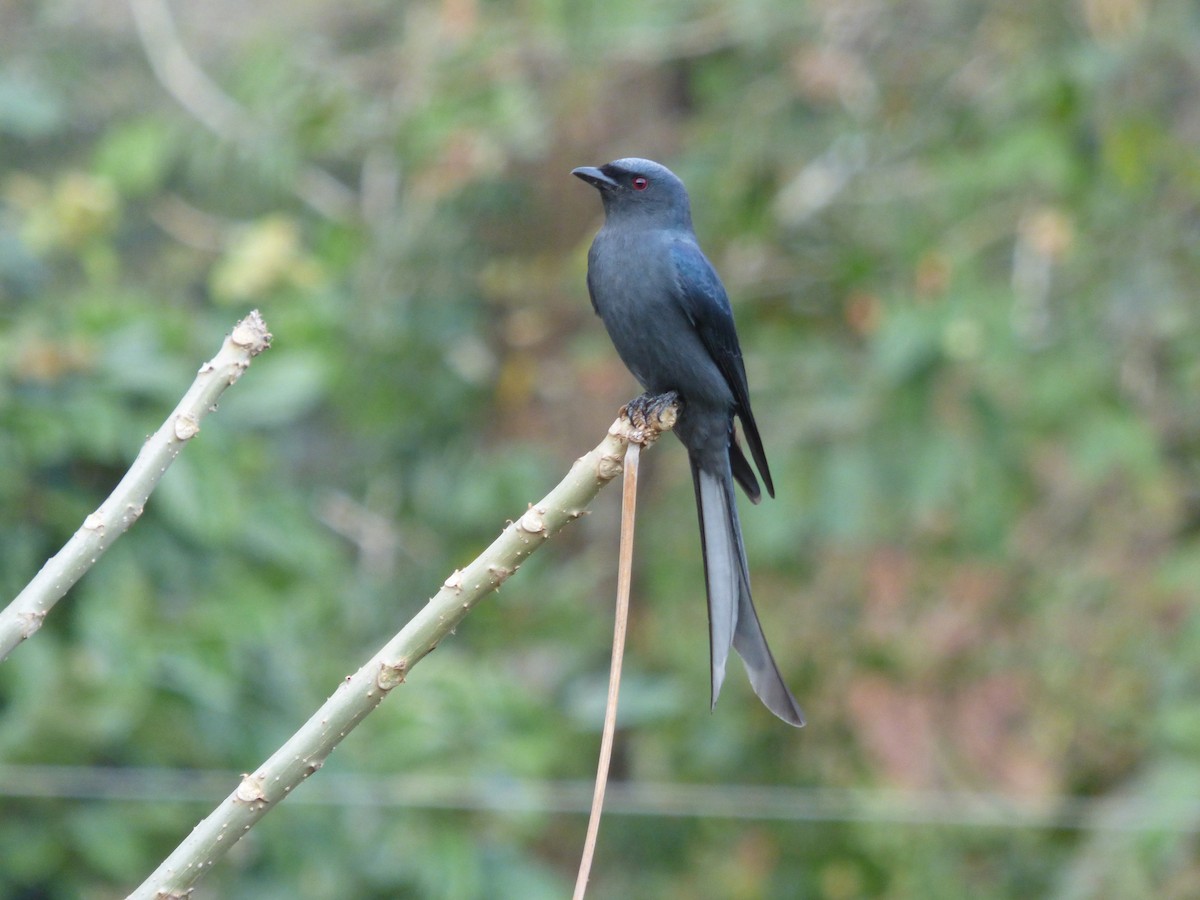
(594, 177)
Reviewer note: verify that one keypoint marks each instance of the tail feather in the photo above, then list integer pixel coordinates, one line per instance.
(722, 572)
(742, 473)
(732, 619)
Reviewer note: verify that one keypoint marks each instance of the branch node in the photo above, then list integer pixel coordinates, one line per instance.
(251, 791)
(454, 582)
(609, 465)
(533, 522)
(499, 573)
(30, 622)
(391, 675)
(186, 427)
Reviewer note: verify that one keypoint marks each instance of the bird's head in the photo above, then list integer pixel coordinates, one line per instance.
(640, 190)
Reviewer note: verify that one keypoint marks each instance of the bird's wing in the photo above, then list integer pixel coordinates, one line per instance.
(591, 284)
(706, 306)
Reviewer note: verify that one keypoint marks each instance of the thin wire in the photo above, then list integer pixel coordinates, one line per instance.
(624, 576)
(1122, 812)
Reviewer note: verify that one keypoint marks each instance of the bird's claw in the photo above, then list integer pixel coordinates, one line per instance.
(652, 412)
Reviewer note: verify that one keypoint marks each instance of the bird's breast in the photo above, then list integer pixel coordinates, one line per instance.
(633, 282)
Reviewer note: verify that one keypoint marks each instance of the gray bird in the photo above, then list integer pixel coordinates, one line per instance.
(670, 320)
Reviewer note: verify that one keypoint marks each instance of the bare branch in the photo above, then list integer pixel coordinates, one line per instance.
(25, 614)
(305, 752)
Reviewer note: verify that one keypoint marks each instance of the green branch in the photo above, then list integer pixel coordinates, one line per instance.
(24, 616)
(305, 752)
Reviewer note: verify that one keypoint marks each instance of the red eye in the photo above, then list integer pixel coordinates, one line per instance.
(639, 183)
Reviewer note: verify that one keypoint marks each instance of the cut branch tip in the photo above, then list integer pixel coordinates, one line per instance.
(251, 333)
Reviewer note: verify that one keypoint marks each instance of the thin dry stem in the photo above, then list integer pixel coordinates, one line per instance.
(624, 576)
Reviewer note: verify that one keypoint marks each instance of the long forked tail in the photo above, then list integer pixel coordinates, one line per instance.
(732, 620)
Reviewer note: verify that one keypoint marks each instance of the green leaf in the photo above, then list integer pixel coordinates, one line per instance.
(135, 156)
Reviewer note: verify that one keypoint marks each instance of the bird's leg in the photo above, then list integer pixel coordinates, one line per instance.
(647, 409)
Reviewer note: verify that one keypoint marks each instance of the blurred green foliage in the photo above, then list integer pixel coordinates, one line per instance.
(963, 243)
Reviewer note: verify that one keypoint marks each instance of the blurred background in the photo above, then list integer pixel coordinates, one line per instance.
(962, 241)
